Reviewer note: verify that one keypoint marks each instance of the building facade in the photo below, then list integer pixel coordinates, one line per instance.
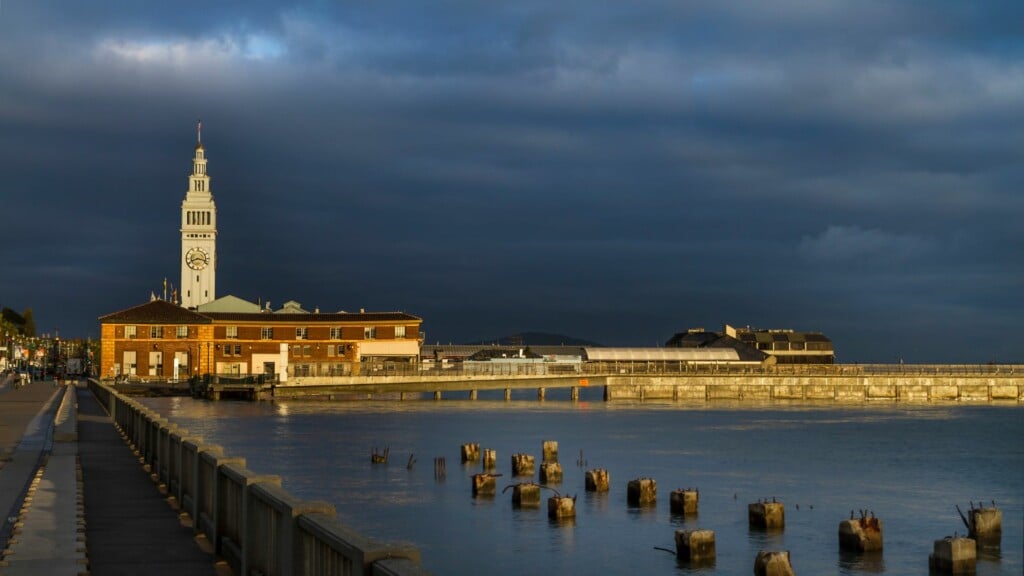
(160, 340)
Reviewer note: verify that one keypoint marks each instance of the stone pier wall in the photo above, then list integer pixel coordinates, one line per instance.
(817, 388)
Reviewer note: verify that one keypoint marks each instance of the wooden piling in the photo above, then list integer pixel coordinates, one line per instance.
(549, 451)
(541, 393)
(561, 507)
(773, 564)
(695, 546)
(508, 394)
(484, 485)
(642, 492)
(574, 393)
(526, 495)
(470, 452)
(440, 468)
(767, 515)
(954, 555)
(862, 534)
(597, 480)
(437, 394)
(684, 501)
(490, 458)
(472, 394)
(550, 473)
(522, 465)
(985, 525)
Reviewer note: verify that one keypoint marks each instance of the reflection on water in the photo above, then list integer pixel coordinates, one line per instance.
(909, 464)
(862, 562)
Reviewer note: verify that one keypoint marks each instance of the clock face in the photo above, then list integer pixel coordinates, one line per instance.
(197, 258)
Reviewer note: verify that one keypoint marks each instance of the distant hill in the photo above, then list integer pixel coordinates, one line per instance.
(536, 339)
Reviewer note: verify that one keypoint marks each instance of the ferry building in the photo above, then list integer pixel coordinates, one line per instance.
(204, 334)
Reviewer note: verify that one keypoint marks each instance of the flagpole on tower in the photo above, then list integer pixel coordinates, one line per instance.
(199, 130)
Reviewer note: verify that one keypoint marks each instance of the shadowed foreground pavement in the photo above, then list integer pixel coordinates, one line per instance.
(130, 527)
(76, 500)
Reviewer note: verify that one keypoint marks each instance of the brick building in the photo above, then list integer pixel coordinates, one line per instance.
(161, 340)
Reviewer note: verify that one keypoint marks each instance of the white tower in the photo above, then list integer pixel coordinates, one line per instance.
(198, 234)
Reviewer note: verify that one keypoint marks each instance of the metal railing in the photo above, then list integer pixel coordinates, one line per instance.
(254, 524)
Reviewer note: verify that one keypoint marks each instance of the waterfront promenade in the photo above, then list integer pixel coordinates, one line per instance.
(75, 499)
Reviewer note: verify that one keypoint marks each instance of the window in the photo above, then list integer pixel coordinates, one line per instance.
(301, 333)
(266, 333)
(336, 333)
(330, 349)
(296, 350)
(238, 349)
(302, 370)
(369, 333)
(156, 331)
(231, 332)
(399, 331)
(181, 331)
(129, 365)
(156, 363)
(129, 331)
(307, 350)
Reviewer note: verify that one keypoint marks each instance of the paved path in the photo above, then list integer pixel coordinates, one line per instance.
(48, 440)
(23, 413)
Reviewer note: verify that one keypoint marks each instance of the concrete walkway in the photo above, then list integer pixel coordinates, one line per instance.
(79, 501)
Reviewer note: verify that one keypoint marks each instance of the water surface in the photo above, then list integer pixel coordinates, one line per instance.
(909, 464)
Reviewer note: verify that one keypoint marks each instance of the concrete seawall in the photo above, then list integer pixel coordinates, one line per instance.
(914, 388)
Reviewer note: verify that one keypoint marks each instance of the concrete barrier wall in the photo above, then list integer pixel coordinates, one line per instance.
(253, 523)
(1009, 388)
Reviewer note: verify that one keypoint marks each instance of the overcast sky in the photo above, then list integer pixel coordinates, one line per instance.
(615, 171)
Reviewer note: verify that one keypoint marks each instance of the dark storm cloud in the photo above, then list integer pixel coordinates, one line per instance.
(614, 171)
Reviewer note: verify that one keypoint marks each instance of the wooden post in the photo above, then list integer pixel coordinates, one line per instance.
(862, 534)
(695, 546)
(470, 452)
(597, 480)
(985, 525)
(561, 507)
(522, 465)
(773, 564)
(684, 501)
(550, 473)
(767, 515)
(954, 556)
(549, 451)
(526, 495)
(484, 485)
(642, 492)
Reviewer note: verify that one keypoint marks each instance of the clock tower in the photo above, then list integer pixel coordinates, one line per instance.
(198, 234)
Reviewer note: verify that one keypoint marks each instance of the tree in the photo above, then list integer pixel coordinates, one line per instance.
(30, 323)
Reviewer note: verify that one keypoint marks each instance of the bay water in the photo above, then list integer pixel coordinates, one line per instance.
(909, 464)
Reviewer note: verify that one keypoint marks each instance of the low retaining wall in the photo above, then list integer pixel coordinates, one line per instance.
(817, 388)
(253, 523)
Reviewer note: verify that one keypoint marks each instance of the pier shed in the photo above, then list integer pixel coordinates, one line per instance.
(660, 359)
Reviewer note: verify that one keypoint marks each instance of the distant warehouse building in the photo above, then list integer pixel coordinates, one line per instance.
(772, 346)
(661, 359)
